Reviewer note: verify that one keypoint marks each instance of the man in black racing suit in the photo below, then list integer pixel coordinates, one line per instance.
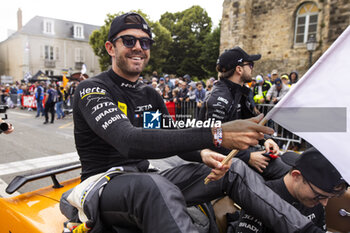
(311, 181)
(108, 116)
(229, 100)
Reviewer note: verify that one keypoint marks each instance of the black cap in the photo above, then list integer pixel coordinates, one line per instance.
(119, 24)
(229, 59)
(278, 82)
(316, 169)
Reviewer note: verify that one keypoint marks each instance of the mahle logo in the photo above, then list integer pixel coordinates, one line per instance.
(151, 120)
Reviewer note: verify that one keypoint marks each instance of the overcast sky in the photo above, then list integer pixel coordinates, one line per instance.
(94, 12)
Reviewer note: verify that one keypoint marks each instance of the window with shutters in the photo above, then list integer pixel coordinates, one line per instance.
(79, 55)
(48, 27)
(49, 53)
(78, 31)
(57, 53)
(49, 72)
(306, 22)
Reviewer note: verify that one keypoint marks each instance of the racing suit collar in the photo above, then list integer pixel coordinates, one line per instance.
(120, 81)
(234, 87)
(285, 193)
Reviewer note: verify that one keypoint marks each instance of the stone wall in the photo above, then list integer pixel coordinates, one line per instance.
(339, 18)
(267, 27)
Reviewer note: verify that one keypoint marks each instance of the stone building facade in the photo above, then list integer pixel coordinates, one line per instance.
(49, 45)
(279, 29)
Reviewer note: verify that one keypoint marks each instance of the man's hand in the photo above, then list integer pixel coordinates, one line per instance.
(258, 161)
(240, 134)
(271, 146)
(213, 159)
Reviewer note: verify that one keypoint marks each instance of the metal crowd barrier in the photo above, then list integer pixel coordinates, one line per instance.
(281, 133)
(12, 100)
(2, 99)
(67, 106)
(186, 110)
(15, 99)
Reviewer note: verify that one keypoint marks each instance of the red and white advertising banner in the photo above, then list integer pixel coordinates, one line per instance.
(29, 101)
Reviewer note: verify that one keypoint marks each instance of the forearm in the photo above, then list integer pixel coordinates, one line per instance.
(249, 191)
(153, 144)
(193, 156)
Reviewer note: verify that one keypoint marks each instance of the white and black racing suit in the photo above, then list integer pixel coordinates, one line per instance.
(230, 101)
(250, 224)
(108, 117)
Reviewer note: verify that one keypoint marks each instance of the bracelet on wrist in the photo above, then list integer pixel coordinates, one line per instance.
(217, 136)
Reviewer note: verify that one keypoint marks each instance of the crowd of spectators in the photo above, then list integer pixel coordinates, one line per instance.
(273, 87)
(268, 89)
(180, 89)
(59, 98)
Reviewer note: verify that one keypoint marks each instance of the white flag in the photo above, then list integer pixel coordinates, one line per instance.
(83, 69)
(317, 108)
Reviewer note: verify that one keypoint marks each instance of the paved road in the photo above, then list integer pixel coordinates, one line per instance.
(34, 146)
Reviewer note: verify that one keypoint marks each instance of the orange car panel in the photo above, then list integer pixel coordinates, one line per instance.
(34, 212)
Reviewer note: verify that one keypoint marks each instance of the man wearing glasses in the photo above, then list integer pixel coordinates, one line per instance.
(309, 184)
(230, 100)
(109, 111)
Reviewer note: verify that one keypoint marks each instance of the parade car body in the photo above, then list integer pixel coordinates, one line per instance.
(38, 211)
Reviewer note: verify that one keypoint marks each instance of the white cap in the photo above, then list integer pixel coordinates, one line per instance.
(259, 78)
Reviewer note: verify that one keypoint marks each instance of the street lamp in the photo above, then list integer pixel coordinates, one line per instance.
(311, 46)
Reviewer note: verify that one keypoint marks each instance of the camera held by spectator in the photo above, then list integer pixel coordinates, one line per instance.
(5, 127)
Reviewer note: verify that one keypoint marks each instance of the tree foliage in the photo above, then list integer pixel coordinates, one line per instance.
(210, 52)
(97, 41)
(159, 51)
(184, 43)
(189, 29)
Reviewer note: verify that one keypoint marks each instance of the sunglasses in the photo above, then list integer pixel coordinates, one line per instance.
(318, 196)
(250, 64)
(129, 41)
